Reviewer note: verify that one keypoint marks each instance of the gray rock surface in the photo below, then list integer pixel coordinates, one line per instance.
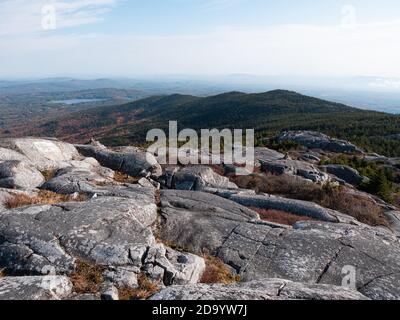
(345, 173)
(316, 140)
(168, 266)
(310, 253)
(16, 174)
(267, 289)
(44, 154)
(394, 220)
(267, 155)
(8, 154)
(109, 292)
(295, 167)
(197, 178)
(105, 230)
(35, 288)
(71, 180)
(128, 160)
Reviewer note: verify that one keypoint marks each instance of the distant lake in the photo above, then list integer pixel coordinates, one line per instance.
(77, 101)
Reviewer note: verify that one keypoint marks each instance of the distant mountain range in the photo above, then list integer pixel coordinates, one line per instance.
(375, 93)
(268, 113)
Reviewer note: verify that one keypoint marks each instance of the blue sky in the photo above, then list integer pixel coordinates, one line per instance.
(164, 17)
(138, 37)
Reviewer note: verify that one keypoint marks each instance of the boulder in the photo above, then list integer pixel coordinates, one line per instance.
(267, 155)
(16, 174)
(71, 180)
(295, 167)
(196, 178)
(44, 154)
(35, 288)
(267, 289)
(312, 252)
(345, 173)
(167, 266)
(316, 140)
(128, 160)
(109, 292)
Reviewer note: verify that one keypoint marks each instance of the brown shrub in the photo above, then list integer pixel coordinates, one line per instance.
(43, 197)
(87, 277)
(2, 273)
(361, 208)
(125, 178)
(337, 198)
(280, 217)
(284, 185)
(145, 290)
(217, 272)
(48, 174)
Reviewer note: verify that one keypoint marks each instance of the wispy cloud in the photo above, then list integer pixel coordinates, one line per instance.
(22, 17)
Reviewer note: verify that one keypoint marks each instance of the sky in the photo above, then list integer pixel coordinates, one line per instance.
(131, 38)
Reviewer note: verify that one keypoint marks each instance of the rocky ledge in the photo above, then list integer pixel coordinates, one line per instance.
(89, 222)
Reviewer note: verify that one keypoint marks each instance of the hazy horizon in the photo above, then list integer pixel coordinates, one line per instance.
(119, 38)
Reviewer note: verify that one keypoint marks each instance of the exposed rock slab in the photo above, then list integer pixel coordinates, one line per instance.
(345, 173)
(196, 220)
(44, 154)
(105, 231)
(268, 289)
(35, 288)
(316, 140)
(295, 167)
(311, 253)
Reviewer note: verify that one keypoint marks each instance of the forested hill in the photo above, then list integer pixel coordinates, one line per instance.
(268, 113)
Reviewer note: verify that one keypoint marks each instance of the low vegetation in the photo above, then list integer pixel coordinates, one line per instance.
(280, 217)
(87, 277)
(145, 290)
(382, 180)
(125, 178)
(48, 174)
(2, 273)
(217, 272)
(43, 197)
(363, 209)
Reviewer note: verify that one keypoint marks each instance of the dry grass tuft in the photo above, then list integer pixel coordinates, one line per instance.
(281, 217)
(87, 277)
(43, 197)
(363, 209)
(125, 178)
(337, 198)
(48, 174)
(2, 273)
(217, 272)
(144, 291)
